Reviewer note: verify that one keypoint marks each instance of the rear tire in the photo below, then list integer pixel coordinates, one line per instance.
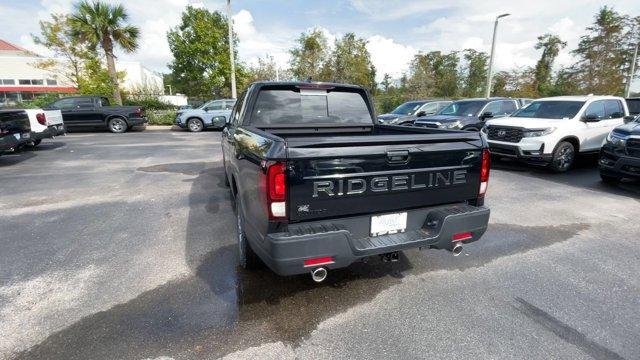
(608, 179)
(35, 143)
(117, 125)
(563, 157)
(246, 257)
(195, 125)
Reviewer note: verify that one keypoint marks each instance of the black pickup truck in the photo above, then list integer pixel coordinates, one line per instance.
(14, 129)
(96, 112)
(318, 184)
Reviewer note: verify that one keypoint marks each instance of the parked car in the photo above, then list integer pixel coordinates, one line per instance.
(212, 114)
(553, 131)
(95, 112)
(634, 105)
(407, 113)
(620, 154)
(318, 184)
(15, 130)
(469, 114)
(45, 124)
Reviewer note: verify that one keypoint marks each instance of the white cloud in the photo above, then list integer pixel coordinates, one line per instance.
(254, 44)
(459, 24)
(389, 57)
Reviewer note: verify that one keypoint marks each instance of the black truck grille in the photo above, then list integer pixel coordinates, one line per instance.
(507, 134)
(633, 147)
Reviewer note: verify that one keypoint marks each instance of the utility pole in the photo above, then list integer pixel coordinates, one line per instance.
(233, 64)
(627, 88)
(493, 48)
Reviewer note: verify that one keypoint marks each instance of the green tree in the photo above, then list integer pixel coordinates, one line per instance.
(267, 70)
(310, 57)
(551, 46)
(351, 63)
(200, 46)
(101, 24)
(515, 83)
(433, 74)
(474, 74)
(96, 80)
(75, 60)
(57, 36)
(603, 54)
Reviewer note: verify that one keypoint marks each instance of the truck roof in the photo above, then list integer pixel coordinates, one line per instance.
(580, 98)
(305, 83)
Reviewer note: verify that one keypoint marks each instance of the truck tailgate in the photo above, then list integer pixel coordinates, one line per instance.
(380, 174)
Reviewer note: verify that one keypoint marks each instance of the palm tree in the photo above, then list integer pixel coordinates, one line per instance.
(99, 23)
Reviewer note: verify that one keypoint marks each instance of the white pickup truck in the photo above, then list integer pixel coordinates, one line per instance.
(553, 131)
(45, 124)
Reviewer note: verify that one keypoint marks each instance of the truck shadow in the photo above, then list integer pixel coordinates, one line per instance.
(584, 174)
(26, 153)
(220, 308)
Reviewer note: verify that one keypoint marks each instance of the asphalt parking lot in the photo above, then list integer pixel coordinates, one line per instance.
(122, 247)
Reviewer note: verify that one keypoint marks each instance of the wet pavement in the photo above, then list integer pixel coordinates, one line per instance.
(122, 246)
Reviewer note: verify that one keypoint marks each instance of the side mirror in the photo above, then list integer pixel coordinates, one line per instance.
(421, 113)
(591, 118)
(486, 115)
(629, 118)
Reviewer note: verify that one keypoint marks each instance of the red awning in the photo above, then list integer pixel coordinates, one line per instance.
(60, 89)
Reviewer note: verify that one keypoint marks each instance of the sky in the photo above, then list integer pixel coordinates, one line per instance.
(395, 30)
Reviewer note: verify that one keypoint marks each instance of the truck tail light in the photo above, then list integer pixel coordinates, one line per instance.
(274, 186)
(484, 172)
(139, 112)
(42, 119)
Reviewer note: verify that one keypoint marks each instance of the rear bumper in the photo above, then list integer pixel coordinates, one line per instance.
(138, 121)
(347, 239)
(614, 164)
(49, 132)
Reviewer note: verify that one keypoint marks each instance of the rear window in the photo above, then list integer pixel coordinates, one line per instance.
(634, 106)
(310, 107)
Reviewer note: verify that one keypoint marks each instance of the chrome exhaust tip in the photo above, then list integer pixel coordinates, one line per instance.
(319, 274)
(456, 249)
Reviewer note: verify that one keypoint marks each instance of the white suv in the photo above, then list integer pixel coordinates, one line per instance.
(551, 131)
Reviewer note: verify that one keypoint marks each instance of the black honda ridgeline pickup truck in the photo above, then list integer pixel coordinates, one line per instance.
(318, 184)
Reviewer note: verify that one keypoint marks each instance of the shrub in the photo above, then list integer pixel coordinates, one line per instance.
(161, 117)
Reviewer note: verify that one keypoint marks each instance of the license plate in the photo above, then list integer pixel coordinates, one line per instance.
(17, 136)
(388, 224)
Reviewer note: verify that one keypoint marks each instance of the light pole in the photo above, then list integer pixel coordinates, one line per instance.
(627, 88)
(493, 48)
(233, 65)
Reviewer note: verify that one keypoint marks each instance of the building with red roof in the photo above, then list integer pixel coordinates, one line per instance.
(21, 79)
